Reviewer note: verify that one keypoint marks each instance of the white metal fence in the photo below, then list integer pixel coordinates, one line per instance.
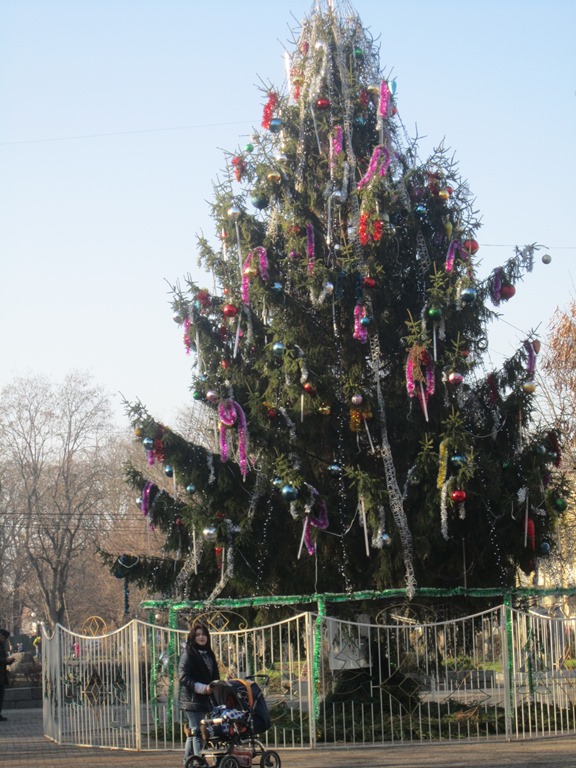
(499, 673)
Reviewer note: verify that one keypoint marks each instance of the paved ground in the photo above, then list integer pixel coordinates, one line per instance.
(23, 745)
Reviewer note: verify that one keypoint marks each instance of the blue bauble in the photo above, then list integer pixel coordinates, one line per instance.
(169, 472)
(420, 211)
(468, 295)
(276, 288)
(544, 548)
(148, 443)
(334, 469)
(289, 492)
(277, 482)
(278, 348)
(190, 488)
(359, 121)
(365, 321)
(457, 460)
(275, 125)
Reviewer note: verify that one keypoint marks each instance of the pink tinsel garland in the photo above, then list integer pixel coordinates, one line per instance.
(384, 102)
(336, 145)
(360, 332)
(531, 366)
(310, 249)
(380, 161)
(320, 521)
(454, 248)
(230, 414)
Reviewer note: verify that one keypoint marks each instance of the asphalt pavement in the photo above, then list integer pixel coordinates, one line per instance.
(22, 744)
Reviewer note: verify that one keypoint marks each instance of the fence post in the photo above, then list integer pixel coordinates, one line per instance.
(136, 703)
(507, 663)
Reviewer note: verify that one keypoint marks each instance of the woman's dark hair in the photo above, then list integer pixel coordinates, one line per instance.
(191, 639)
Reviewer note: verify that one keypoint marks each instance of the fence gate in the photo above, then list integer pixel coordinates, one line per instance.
(499, 673)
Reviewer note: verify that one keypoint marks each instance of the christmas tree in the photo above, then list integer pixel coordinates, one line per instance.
(354, 438)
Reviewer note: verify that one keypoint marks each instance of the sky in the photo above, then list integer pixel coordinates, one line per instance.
(114, 119)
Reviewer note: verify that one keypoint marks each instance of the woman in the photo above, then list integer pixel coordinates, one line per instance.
(197, 669)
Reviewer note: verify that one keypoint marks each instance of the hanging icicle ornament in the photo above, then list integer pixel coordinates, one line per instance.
(230, 414)
(379, 164)
(256, 260)
(310, 248)
(360, 332)
(420, 379)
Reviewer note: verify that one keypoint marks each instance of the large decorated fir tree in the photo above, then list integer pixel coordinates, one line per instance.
(358, 441)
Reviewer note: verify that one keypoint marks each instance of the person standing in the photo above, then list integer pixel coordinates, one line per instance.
(197, 669)
(5, 661)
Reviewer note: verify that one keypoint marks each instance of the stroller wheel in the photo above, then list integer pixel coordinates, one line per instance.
(270, 759)
(195, 762)
(228, 761)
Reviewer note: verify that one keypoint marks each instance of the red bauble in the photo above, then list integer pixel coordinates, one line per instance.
(455, 378)
(369, 282)
(458, 496)
(225, 364)
(272, 413)
(471, 246)
(310, 389)
(323, 103)
(229, 310)
(507, 291)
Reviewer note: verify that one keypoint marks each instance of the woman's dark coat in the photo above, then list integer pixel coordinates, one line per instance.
(192, 669)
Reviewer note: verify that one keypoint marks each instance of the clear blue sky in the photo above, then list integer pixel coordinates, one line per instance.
(113, 115)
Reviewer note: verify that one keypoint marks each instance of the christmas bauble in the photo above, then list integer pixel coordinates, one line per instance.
(251, 271)
(369, 282)
(458, 496)
(275, 125)
(507, 291)
(276, 288)
(420, 211)
(229, 310)
(560, 505)
(455, 378)
(359, 121)
(277, 482)
(540, 450)
(138, 431)
(334, 469)
(309, 388)
(324, 410)
(138, 501)
(364, 321)
(358, 53)
(191, 488)
(468, 295)
(458, 460)
(278, 348)
(168, 471)
(357, 399)
(234, 213)
(148, 443)
(289, 492)
(259, 201)
(212, 396)
(197, 394)
(536, 345)
(435, 313)
(529, 387)
(249, 148)
(210, 533)
(177, 317)
(544, 548)
(471, 246)
(546, 259)
(272, 413)
(323, 103)
(329, 288)
(274, 177)
(385, 539)
(225, 363)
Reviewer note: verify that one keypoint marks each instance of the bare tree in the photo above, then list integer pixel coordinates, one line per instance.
(54, 440)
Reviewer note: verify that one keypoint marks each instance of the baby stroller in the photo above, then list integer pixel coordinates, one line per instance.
(229, 732)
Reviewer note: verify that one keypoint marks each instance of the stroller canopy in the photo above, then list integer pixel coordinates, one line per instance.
(246, 696)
